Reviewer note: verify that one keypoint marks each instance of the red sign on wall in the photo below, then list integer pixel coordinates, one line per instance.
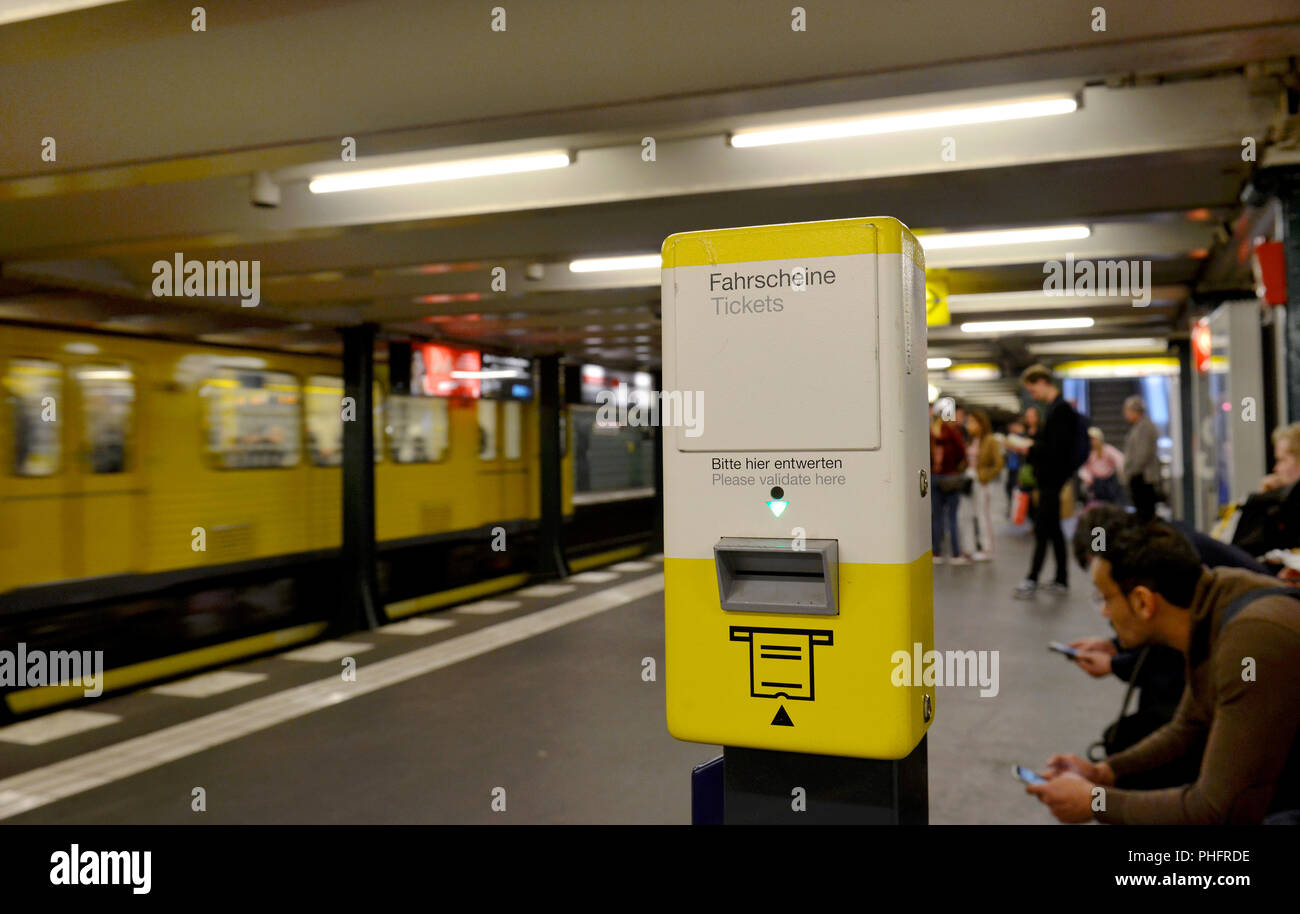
(1201, 344)
(446, 371)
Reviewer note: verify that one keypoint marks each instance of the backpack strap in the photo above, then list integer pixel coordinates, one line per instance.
(1199, 650)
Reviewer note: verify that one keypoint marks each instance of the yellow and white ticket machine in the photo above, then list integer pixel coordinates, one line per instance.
(797, 509)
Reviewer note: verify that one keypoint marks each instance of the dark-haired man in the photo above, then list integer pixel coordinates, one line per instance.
(1242, 701)
(1051, 456)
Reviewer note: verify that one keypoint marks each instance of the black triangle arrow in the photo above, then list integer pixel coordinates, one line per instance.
(782, 719)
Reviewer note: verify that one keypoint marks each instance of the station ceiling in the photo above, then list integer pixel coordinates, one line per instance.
(159, 130)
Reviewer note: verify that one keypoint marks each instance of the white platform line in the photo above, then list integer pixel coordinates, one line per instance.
(40, 786)
(416, 626)
(545, 590)
(209, 684)
(593, 577)
(55, 726)
(326, 651)
(632, 566)
(489, 607)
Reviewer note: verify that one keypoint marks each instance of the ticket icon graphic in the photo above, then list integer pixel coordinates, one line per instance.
(781, 660)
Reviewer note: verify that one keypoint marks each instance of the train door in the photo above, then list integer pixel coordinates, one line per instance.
(37, 500)
(105, 468)
(491, 484)
(516, 478)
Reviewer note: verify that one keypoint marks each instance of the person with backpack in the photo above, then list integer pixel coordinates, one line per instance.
(1240, 633)
(1060, 447)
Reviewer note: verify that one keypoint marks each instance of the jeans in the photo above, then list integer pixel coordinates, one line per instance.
(1047, 528)
(943, 512)
(982, 500)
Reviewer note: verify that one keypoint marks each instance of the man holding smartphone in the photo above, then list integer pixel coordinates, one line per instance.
(1241, 703)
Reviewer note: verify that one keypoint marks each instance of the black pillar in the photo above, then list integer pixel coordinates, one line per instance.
(550, 405)
(761, 787)
(360, 591)
(399, 368)
(1187, 425)
(1283, 182)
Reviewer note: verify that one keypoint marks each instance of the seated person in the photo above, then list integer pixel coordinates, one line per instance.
(1241, 705)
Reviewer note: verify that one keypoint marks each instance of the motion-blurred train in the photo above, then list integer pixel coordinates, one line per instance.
(179, 505)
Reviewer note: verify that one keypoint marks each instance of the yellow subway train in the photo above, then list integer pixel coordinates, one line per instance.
(162, 497)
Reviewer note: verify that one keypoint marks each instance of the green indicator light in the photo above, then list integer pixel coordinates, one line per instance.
(778, 506)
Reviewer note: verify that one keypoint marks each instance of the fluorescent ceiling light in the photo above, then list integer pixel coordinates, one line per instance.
(17, 12)
(937, 364)
(974, 372)
(606, 264)
(1125, 345)
(1031, 300)
(925, 119)
(1056, 323)
(438, 171)
(1003, 237)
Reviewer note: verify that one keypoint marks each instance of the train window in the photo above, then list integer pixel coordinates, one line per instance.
(513, 432)
(35, 389)
(252, 418)
(417, 428)
(324, 407)
(487, 429)
(107, 401)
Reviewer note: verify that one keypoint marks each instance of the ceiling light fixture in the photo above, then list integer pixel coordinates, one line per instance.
(438, 171)
(607, 264)
(1056, 323)
(924, 119)
(956, 240)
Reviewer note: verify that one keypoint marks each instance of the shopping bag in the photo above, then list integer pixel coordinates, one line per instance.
(1020, 508)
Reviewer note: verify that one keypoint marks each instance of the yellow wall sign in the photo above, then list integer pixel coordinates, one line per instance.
(936, 301)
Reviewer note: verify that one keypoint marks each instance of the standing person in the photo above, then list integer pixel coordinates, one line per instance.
(947, 464)
(959, 417)
(1103, 469)
(1141, 459)
(1015, 428)
(985, 456)
(1053, 459)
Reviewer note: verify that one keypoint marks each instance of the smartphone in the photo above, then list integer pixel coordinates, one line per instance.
(1027, 775)
(1060, 648)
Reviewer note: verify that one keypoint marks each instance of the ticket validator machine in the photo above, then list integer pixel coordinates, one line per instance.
(797, 516)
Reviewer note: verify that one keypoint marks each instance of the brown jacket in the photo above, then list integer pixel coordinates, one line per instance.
(1247, 724)
(989, 463)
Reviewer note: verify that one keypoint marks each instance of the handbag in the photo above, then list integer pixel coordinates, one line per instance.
(1128, 729)
(953, 484)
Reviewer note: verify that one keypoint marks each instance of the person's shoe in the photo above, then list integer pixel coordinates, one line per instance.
(982, 557)
(940, 560)
(1058, 587)
(962, 559)
(1025, 590)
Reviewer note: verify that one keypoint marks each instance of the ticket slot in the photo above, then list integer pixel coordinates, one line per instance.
(778, 575)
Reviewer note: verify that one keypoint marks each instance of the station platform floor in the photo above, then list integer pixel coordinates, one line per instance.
(539, 692)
